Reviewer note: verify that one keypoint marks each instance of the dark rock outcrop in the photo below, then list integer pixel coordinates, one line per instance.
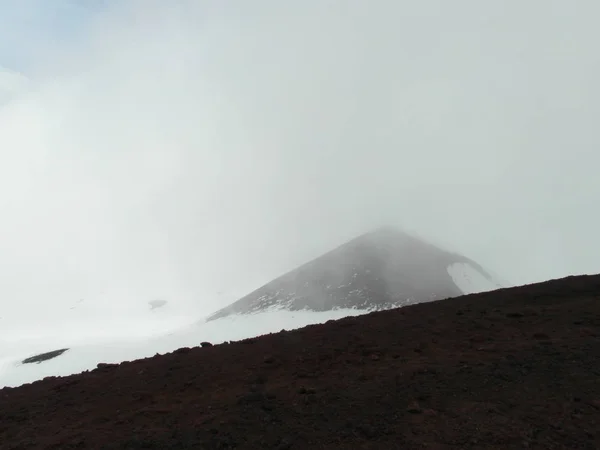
(44, 356)
(378, 270)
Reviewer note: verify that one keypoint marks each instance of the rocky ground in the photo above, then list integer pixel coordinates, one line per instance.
(511, 369)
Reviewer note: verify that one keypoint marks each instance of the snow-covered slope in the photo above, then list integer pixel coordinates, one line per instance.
(85, 354)
(378, 270)
(93, 318)
(471, 280)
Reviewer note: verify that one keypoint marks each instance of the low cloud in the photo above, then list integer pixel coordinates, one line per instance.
(183, 149)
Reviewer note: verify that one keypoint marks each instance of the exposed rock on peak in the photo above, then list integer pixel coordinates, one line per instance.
(377, 270)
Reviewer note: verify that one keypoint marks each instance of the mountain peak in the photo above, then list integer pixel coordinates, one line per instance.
(381, 269)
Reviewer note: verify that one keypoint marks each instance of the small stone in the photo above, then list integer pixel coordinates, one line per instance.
(284, 444)
(182, 350)
(414, 408)
(308, 391)
(101, 366)
(205, 344)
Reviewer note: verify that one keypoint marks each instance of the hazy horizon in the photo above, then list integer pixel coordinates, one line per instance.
(192, 151)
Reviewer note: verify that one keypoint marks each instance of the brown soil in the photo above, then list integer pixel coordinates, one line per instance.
(512, 369)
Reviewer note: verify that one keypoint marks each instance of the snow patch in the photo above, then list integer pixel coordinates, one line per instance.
(85, 354)
(137, 332)
(470, 280)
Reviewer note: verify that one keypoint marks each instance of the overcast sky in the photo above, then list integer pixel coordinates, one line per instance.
(185, 148)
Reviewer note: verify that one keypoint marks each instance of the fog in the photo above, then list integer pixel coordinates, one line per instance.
(192, 151)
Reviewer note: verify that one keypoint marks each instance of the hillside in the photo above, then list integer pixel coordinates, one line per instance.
(379, 270)
(382, 269)
(510, 369)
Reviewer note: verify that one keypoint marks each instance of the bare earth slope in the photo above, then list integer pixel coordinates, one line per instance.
(381, 269)
(510, 369)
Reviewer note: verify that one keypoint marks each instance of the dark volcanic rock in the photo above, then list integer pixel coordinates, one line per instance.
(480, 380)
(378, 270)
(44, 356)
